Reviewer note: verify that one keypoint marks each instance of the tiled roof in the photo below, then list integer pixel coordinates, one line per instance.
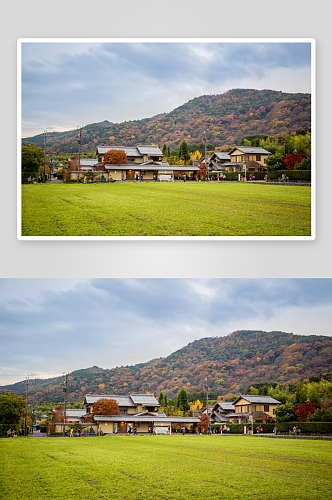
(251, 150)
(222, 156)
(129, 150)
(150, 418)
(149, 150)
(131, 400)
(121, 400)
(139, 150)
(144, 399)
(258, 399)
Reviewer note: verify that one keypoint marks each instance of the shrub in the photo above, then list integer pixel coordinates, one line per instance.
(235, 428)
(233, 176)
(59, 177)
(306, 427)
(321, 415)
(293, 175)
(43, 428)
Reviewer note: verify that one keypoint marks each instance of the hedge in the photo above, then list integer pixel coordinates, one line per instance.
(233, 176)
(293, 175)
(306, 427)
(239, 428)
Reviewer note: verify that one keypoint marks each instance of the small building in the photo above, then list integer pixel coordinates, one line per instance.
(221, 411)
(217, 161)
(253, 157)
(135, 154)
(258, 409)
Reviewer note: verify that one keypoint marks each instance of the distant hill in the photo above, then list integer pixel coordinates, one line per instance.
(226, 118)
(233, 363)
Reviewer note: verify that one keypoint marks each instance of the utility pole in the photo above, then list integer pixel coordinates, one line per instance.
(207, 395)
(64, 410)
(45, 135)
(204, 140)
(26, 407)
(26, 403)
(79, 140)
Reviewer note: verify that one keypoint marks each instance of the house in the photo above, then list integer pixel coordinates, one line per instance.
(75, 415)
(217, 161)
(253, 157)
(146, 161)
(221, 411)
(140, 411)
(88, 164)
(256, 409)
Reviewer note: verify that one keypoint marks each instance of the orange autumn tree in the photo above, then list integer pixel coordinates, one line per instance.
(115, 157)
(105, 406)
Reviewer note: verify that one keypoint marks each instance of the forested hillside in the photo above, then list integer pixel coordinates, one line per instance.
(226, 118)
(233, 363)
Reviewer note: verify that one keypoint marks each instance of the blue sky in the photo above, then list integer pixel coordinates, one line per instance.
(51, 326)
(65, 85)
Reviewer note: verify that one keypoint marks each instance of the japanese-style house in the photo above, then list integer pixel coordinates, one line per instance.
(140, 411)
(253, 157)
(258, 409)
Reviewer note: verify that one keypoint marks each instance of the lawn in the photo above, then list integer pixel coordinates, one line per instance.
(165, 467)
(166, 209)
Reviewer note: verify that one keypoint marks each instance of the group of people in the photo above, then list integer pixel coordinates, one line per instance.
(132, 430)
(259, 429)
(12, 433)
(216, 177)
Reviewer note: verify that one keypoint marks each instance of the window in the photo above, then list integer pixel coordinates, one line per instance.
(266, 407)
(274, 411)
(258, 157)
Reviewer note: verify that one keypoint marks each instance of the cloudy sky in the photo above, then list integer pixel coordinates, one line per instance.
(66, 85)
(51, 326)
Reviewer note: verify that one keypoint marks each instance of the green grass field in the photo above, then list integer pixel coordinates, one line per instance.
(165, 467)
(166, 209)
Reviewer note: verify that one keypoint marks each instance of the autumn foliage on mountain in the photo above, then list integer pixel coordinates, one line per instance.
(233, 363)
(226, 119)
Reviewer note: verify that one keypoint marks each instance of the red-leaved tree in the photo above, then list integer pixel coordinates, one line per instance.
(291, 160)
(73, 163)
(58, 414)
(115, 157)
(303, 410)
(204, 422)
(106, 406)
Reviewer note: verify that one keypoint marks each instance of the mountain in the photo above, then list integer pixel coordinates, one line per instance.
(226, 118)
(233, 363)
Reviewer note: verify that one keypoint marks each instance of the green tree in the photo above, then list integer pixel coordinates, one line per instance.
(164, 150)
(300, 395)
(183, 401)
(320, 415)
(11, 409)
(286, 413)
(254, 391)
(31, 160)
(289, 145)
(275, 162)
(183, 152)
(161, 399)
